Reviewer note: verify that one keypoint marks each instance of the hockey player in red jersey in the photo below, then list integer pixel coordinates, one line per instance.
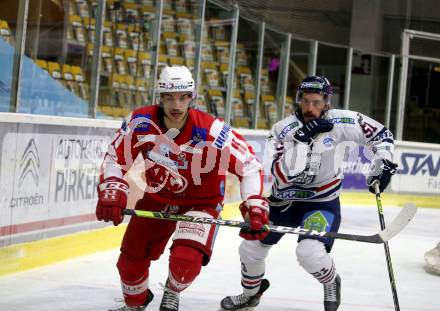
(186, 155)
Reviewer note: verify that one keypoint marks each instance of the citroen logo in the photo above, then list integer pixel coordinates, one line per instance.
(29, 163)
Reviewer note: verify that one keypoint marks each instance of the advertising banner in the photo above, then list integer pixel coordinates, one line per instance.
(418, 171)
(53, 174)
(48, 175)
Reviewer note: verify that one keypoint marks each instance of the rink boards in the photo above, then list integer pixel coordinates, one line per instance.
(49, 168)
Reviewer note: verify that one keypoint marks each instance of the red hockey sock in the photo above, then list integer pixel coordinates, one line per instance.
(134, 279)
(185, 265)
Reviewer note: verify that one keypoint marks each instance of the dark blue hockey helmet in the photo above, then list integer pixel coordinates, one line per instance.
(314, 84)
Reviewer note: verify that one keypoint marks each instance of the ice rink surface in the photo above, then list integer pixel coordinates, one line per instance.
(92, 282)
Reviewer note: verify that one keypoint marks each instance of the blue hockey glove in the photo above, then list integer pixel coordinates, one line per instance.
(309, 130)
(381, 171)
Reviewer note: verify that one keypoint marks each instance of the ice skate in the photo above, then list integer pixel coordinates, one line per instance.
(124, 307)
(332, 295)
(243, 302)
(170, 300)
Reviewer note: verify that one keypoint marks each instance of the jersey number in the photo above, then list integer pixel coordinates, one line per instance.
(368, 129)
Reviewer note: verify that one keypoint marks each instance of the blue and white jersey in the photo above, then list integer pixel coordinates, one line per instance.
(314, 172)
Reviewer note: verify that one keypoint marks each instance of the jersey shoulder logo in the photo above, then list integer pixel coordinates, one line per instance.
(198, 134)
(222, 136)
(287, 129)
(141, 122)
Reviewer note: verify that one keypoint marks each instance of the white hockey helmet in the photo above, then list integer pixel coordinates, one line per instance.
(176, 79)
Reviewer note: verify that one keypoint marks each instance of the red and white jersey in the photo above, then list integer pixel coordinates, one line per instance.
(185, 167)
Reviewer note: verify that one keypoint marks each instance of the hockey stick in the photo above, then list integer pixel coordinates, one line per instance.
(404, 217)
(387, 249)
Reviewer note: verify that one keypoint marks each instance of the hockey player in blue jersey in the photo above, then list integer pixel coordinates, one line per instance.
(307, 165)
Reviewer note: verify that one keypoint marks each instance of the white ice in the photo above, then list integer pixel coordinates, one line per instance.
(92, 282)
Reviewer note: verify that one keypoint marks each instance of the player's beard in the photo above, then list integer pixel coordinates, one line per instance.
(309, 115)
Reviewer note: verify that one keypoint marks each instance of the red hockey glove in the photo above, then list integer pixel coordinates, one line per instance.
(256, 212)
(112, 199)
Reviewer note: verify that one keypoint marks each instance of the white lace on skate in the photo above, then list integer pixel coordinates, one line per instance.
(240, 300)
(330, 291)
(170, 299)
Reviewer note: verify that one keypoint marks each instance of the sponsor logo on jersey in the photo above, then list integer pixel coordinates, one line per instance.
(159, 158)
(166, 161)
(328, 141)
(415, 163)
(146, 138)
(198, 134)
(287, 129)
(191, 228)
(292, 194)
(189, 149)
(221, 138)
(342, 120)
(318, 221)
(142, 122)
